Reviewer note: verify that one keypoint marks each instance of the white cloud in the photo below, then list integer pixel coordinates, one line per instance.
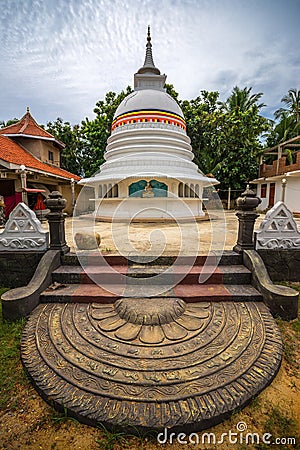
(60, 57)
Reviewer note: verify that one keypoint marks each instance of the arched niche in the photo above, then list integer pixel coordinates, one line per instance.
(192, 190)
(180, 190)
(115, 190)
(186, 190)
(158, 188)
(137, 188)
(104, 191)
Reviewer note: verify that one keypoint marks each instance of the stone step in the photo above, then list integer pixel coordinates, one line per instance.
(91, 293)
(94, 258)
(227, 274)
(98, 274)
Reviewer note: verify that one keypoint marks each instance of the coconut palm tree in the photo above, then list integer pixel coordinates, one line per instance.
(292, 103)
(284, 130)
(242, 100)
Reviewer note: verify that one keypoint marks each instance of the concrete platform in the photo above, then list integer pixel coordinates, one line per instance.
(151, 364)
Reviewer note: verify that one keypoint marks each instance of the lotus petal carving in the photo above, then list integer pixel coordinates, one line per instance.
(151, 322)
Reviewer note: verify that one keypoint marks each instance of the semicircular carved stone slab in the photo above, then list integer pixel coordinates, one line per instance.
(165, 363)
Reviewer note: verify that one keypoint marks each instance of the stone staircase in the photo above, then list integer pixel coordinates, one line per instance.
(193, 280)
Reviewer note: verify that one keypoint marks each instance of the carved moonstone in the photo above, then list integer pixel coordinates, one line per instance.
(23, 232)
(151, 363)
(278, 230)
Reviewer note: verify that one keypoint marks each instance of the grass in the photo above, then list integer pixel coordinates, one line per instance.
(256, 404)
(110, 438)
(280, 425)
(291, 337)
(296, 323)
(11, 372)
(58, 417)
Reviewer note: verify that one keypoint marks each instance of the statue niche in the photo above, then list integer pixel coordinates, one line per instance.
(148, 189)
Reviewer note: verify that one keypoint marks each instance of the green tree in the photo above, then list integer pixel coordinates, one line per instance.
(242, 100)
(282, 131)
(225, 141)
(72, 154)
(9, 122)
(201, 116)
(95, 132)
(171, 91)
(240, 133)
(203, 120)
(239, 129)
(287, 120)
(292, 106)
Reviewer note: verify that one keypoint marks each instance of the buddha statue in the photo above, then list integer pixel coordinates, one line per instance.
(148, 192)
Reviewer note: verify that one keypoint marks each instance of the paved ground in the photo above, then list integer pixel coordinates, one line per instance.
(156, 238)
(159, 238)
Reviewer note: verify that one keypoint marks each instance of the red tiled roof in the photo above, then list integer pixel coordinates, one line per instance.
(27, 126)
(13, 153)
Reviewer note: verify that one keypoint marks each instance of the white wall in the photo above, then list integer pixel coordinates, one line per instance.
(158, 207)
(292, 193)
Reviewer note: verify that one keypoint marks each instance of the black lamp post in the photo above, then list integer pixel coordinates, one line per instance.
(247, 204)
(56, 218)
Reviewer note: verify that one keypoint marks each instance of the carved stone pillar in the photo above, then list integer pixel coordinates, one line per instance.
(23, 176)
(246, 215)
(56, 218)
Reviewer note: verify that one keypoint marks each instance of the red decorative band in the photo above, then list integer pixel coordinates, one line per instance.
(153, 116)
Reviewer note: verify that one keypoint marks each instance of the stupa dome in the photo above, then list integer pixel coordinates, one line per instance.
(149, 102)
(148, 99)
(148, 171)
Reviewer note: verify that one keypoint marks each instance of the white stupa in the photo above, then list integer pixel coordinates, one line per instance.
(148, 171)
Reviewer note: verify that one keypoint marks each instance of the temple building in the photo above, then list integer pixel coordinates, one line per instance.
(280, 179)
(148, 170)
(30, 166)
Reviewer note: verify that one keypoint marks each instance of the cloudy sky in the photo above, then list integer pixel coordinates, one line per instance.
(59, 57)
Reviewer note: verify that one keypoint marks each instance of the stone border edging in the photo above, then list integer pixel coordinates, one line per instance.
(282, 300)
(19, 302)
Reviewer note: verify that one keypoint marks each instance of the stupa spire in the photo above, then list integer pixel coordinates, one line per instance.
(149, 66)
(149, 58)
(149, 76)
